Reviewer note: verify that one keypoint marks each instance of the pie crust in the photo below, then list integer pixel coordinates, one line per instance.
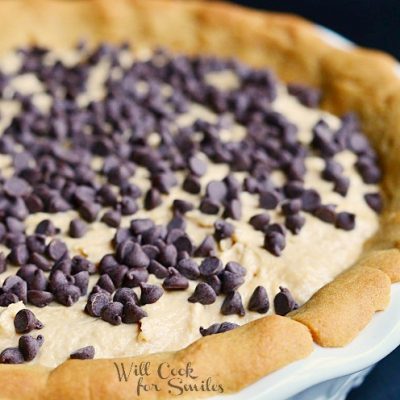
(359, 80)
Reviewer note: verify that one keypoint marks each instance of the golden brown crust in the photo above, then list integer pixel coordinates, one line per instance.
(342, 308)
(359, 80)
(222, 358)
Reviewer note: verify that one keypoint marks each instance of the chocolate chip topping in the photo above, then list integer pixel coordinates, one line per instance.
(284, 302)
(85, 353)
(259, 301)
(29, 346)
(53, 173)
(96, 303)
(150, 293)
(25, 321)
(11, 355)
(77, 228)
(203, 294)
(374, 200)
(345, 221)
(210, 266)
(218, 328)
(175, 281)
(132, 313)
(112, 313)
(232, 304)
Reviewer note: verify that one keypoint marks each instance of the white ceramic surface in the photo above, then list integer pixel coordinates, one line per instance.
(329, 374)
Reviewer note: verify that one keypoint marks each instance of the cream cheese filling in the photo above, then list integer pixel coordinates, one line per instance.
(310, 260)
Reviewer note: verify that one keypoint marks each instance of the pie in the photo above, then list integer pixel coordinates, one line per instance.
(192, 195)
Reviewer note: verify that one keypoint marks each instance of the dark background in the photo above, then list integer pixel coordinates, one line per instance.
(369, 23)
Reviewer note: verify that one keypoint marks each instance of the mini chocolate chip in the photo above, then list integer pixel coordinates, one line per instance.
(29, 346)
(36, 243)
(269, 199)
(34, 203)
(232, 304)
(11, 355)
(230, 281)
(150, 293)
(191, 184)
(345, 221)
(206, 248)
(176, 223)
(132, 313)
(17, 286)
(223, 229)
(117, 274)
(374, 200)
(40, 298)
(106, 283)
(260, 221)
(56, 249)
(46, 227)
(168, 255)
(82, 281)
(274, 242)
(128, 206)
(107, 196)
(89, 211)
(77, 228)
(290, 207)
(188, 268)
(326, 213)
(294, 223)
(209, 206)
(3, 264)
(310, 200)
(40, 261)
(112, 313)
(175, 281)
(307, 96)
(284, 302)
(18, 255)
(218, 328)
(196, 166)
(14, 225)
(25, 321)
(151, 251)
(233, 210)
(120, 236)
(125, 295)
(135, 276)
(16, 187)
(332, 170)
(79, 263)
(259, 301)
(8, 298)
(85, 353)
(235, 268)
(183, 244)
(182, 206)
(152, 199)
(158, 269)
(203, 294)
(111, 218)
(216, 191)
(210, 266)
(67, 294)
(38, 280)
(96, 302)
(341, 185)
(136, 257)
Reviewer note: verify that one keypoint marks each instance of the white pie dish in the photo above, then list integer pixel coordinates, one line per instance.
(330, 373)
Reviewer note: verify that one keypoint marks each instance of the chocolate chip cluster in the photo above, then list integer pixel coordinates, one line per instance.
(52, 153)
